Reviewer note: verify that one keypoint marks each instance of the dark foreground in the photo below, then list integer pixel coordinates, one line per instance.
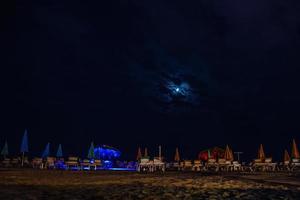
(36, 184)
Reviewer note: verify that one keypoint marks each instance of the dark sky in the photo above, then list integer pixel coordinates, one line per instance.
(107, 71)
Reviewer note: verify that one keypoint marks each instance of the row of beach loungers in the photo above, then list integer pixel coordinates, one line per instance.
(72, 163)
(158, 165)
(53, 163)
(218, 165)
(223, 165)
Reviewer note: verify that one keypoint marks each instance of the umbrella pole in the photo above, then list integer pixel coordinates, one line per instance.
(22, 158)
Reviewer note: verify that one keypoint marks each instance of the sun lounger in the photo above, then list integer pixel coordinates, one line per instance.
(263, 165)
(26, 162)
(174, 166)
(6, 162)
(158, 165)
(212, 164)
(258, 165)
(197, 166)
(286, 165)
(237, 166)
(187, 165)
(50, 163)
(15, 162)
(225, 165)
(295, 164)
(145, 164)
(72, 163)
(37, 163)
(85, 164)
(270, 166)
(60, 163)
(132, 165)
(95, 164)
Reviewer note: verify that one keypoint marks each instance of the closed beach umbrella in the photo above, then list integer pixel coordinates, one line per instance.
(146, 152)
(4, 151)
(24, 145)
(46, 152)
(228, 154)
(91, 154)
(295, 151)
(177, 156)
(59, 153)
(231, 154)
(139, 154)
(261, 153)
(286, 156)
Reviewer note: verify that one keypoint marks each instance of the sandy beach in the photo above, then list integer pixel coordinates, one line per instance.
(38, 184)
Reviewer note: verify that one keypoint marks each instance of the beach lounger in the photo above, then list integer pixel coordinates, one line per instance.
(270, 166)
(295, 164)
(181, 165)
(72, 163)
(50, 163)
(60, 163)
(85, 164)
(6, 163)
(222, 165)
(197, 166)
(95, 164)
(15, 162)
(175, 166)
(158, 164)
(257, 165)
(26, 162)
(212, 164)
(37, 163)
(187, 165)
(237, 166)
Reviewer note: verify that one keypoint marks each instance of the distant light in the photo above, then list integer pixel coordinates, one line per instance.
(177, 89)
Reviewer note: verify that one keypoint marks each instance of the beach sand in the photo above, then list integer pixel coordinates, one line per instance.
(50, 184)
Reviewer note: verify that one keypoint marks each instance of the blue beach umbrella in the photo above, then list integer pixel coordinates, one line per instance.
(59, 153)
(24, 144)
(46, 151)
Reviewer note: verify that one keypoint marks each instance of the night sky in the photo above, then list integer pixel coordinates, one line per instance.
(192, 74)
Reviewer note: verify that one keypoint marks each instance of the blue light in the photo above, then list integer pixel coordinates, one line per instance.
(182, 89)
(121, 169)
(107, 153)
